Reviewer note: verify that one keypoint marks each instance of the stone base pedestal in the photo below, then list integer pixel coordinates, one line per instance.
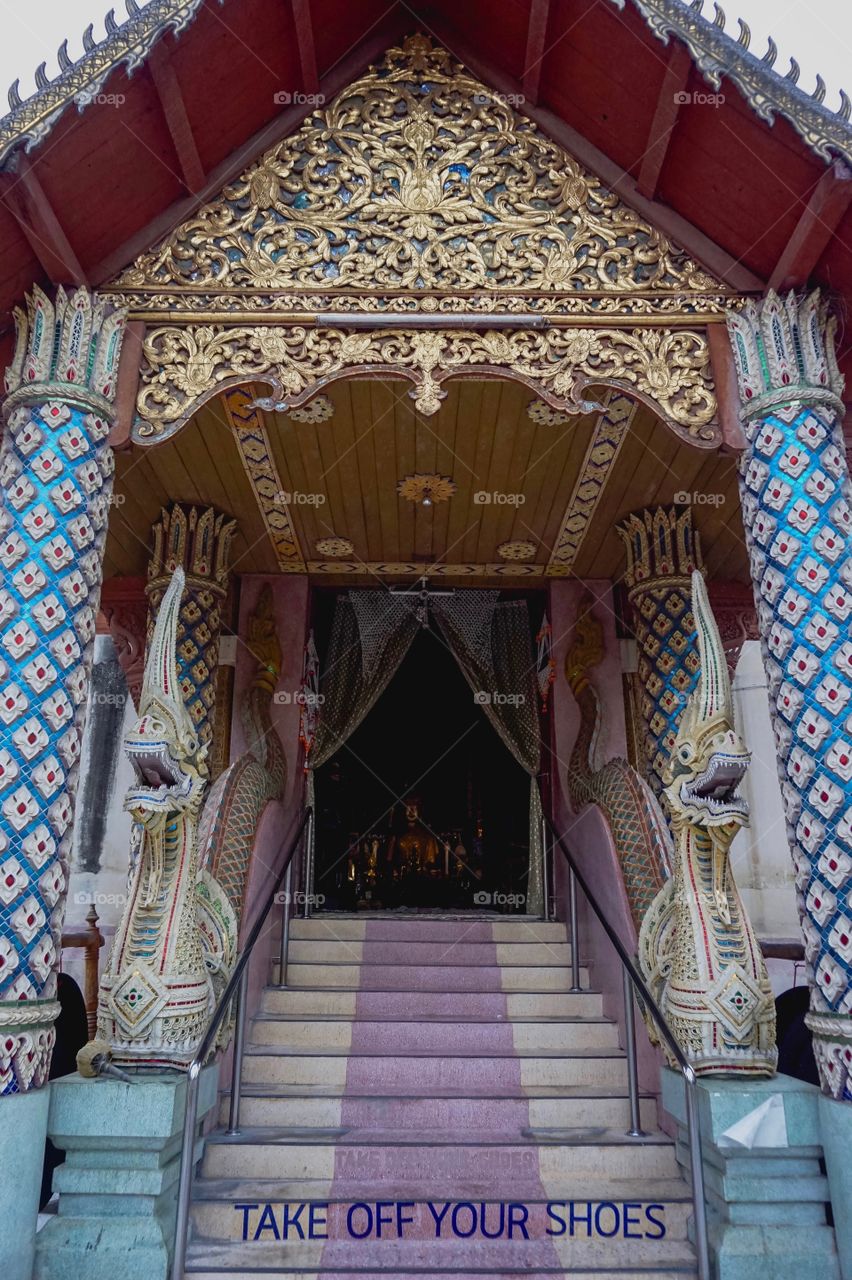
(835, 1120)
(118, 1185)
(23, 1129)
(766, 1193)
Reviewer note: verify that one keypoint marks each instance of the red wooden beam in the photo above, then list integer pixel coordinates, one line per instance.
(169, 93)
(534, 57)
(395, 25)
(24, 197)
(305, 45)
(818, 222)
(717, 260)
(675, 80)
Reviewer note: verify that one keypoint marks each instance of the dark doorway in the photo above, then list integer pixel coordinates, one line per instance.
(462, 841)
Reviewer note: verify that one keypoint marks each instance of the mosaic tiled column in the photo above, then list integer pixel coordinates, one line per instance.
(795, 495)
(56, 472)
(662, 551)
(199, 540)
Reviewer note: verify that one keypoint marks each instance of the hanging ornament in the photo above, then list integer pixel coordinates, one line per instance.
(545, 664)
(309, 696)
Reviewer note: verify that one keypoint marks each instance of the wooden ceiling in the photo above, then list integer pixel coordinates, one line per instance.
(342, 476)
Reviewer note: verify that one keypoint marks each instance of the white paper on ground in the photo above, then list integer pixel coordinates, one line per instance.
(766, 1126)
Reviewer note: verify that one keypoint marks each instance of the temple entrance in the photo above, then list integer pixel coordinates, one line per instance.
(423, 807)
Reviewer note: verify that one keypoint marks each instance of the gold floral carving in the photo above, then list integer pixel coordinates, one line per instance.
(668, 369)
(426, 487)
(418, 177)
(335, 548)
(520, 550)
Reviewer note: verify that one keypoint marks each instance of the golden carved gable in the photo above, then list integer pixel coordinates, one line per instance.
(419, 178)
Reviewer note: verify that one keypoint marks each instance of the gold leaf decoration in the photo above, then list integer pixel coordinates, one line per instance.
(667, 368)
(334, 548)
(320, 409)
(426, 488)
(545, 416)
(418, 177)
(520, 550)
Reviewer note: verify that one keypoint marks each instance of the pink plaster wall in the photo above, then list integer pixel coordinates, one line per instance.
(587, 833)
(290, 594)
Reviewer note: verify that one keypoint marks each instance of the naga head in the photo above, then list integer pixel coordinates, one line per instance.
(163, 747)
(709, 758)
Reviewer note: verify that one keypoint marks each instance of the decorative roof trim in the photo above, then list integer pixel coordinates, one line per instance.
(826, 132)
(30, 120)
(768, 93)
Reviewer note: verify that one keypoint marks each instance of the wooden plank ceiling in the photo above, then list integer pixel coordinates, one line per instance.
(342, 477)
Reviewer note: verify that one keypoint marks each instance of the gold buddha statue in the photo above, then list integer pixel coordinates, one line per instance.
(416, 851)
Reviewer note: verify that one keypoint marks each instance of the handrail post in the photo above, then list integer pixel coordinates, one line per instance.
(696, 1165)
(575, 940)
(187, 1166)
(545, 891)
(309, 864)
(285, 929)
(239, 1049)
(635, 1130)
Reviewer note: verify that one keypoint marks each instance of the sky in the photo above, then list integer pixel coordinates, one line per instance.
(817, 32)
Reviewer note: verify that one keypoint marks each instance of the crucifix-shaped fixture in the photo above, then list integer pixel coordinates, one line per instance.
(422, 595)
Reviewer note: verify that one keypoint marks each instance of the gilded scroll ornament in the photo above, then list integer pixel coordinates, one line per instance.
(418, 177)
(668, 369)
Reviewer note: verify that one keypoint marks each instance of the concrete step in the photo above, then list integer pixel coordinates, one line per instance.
(458, 1036)
(439, 1160)
(668, 1261)
(355, 928)
(430, 977)
(614, 1230)
(419, 1005)
(409, 1073)
(458, 951)
(568, 1108)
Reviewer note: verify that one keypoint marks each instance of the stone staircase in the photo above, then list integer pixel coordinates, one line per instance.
(414, 1060)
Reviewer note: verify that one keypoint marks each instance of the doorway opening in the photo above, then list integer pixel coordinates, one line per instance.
(424, 807)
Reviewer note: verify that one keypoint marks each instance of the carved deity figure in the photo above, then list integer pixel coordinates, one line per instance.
(696, 946)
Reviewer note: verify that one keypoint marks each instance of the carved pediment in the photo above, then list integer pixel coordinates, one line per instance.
(419, 178)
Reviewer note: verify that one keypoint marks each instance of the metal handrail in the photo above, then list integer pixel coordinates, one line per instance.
(634, 981)
(237, 983)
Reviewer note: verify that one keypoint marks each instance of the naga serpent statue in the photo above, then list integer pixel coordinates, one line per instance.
(696, 946)
(639, 832)
(176, 943)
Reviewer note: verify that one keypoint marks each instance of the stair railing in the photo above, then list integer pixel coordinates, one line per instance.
(237, 987)
(633, 983)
